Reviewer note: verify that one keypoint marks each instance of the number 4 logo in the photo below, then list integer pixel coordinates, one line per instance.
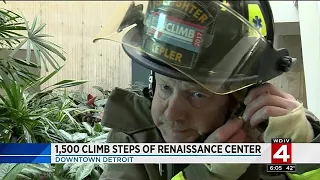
(281, 153)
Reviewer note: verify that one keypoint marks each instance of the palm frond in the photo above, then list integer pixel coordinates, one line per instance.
(11, 29)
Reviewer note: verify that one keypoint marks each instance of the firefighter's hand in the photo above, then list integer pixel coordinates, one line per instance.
(231, 132)
(267, 101)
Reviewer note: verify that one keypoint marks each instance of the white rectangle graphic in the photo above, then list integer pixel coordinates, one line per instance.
(154, 153)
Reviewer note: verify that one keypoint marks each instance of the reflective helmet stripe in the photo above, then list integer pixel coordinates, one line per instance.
(256, 18)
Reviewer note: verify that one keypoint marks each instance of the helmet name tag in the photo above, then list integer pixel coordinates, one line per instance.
(166, 52)
(169, 54)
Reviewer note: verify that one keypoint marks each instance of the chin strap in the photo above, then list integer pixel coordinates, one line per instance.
(148, 92)
(152, 85)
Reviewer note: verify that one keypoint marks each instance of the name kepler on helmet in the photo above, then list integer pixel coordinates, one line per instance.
(166, 52)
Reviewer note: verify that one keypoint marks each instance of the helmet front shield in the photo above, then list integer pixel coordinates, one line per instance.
(206, 41)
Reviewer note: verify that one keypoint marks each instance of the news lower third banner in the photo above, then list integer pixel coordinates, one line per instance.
(146, 153)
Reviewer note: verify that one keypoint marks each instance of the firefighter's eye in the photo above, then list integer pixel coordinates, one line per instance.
(199, 95)
(165, 91)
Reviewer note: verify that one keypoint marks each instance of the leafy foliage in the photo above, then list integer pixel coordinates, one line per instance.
(15, 33)
(10, 171)
(51, 172)
(35, 117)
(48, 116)
(51, 115)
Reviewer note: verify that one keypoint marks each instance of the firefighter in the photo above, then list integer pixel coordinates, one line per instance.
(209, 63)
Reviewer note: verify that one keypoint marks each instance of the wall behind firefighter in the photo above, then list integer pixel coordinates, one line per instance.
(74, 25)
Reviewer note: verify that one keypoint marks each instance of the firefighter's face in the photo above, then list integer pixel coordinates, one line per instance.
(183, 111)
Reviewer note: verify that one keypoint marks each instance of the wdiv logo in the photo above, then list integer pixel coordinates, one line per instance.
(281, 151)
(281, 156)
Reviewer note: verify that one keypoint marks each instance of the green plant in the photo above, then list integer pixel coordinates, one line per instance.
(51, 172)
(10, 171)
(51, 115)
(31, 118)
(47, 116)
(15, 33)
(89, 101)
